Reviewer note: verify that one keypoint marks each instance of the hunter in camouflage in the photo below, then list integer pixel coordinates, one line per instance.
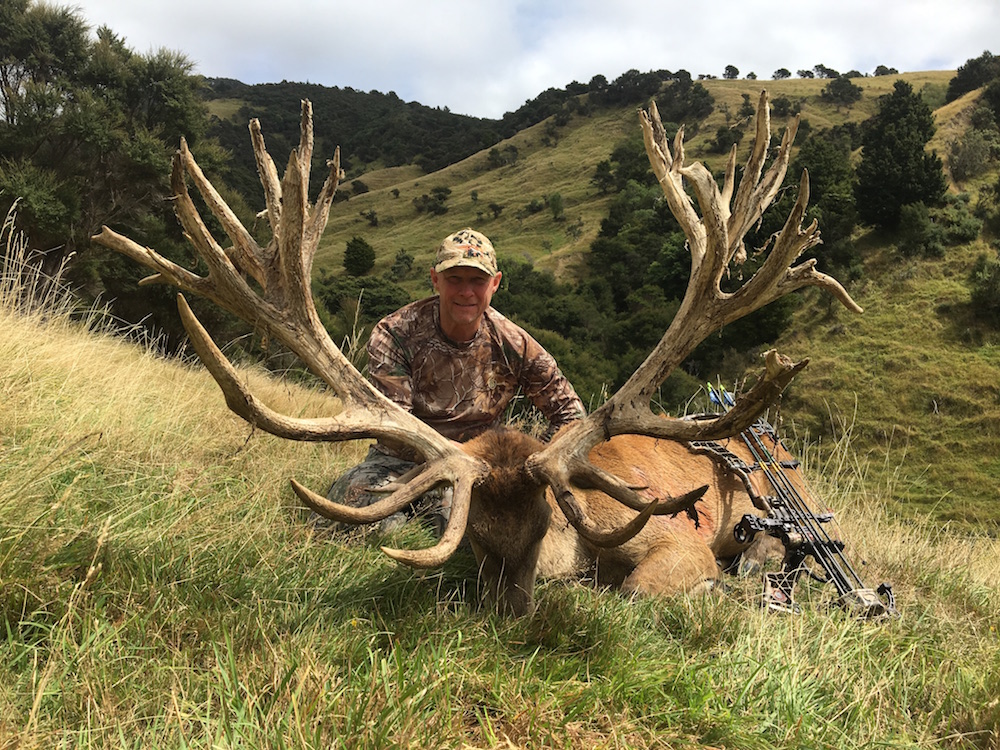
(456, 363)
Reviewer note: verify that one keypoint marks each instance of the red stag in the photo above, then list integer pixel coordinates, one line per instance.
(608, 488)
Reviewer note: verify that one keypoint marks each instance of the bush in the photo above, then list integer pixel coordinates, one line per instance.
(919, 236)
(725, 139)
(985, 281)
(379, 297)
(359, 257)
(972, 154)
(958, 223)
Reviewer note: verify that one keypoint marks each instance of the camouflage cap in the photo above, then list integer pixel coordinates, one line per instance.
(467, 247)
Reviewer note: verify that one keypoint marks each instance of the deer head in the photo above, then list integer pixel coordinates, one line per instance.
(269, 287)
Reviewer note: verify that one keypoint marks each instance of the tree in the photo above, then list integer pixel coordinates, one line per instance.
(781, 74)
(732, 73)
(603, 177)
(895, 168)
(974, 74)
(973, 153)
(401, 264)
(359, 257)
(882, 70)
(806, 74)
(985, 282)
(841, 91)
(87, 128)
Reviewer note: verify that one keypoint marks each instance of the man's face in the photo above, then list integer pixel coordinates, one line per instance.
(465, 294)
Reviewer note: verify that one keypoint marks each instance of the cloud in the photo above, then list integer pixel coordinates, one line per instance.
(489, 57)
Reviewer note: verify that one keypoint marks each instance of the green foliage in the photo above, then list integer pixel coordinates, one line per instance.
(87, 127)
(433, 203)
(895, 169)
(826, 155)
(991, 99)
(557, 207)
(684, 100)
(402, 264)
(603, 177)
(975, 73)
(502, 157)
(841, 91)
(919, 235)
(925, 232)
(359, 257)
(783, 107)
(747, 108)
(985, 282)
(380, 296)
(961, 225)
(973, 153)
(369, 127)
(725, 139)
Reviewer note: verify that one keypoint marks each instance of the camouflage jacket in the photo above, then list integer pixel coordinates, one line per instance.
(462, 390)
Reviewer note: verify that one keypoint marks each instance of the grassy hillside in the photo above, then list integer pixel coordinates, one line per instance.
(160, 588)
(565, 166)
(913, 377)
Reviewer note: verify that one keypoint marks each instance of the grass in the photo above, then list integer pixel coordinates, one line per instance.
(160, 588)
(920, 375)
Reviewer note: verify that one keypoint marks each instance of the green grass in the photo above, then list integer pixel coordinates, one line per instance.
(161, 588)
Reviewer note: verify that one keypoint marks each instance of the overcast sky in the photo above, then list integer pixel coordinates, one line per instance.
(487, 57)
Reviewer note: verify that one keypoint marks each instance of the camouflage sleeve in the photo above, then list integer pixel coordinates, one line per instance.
(543, 382)
(389, 366)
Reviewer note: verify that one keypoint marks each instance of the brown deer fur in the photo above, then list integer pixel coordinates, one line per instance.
(518, 531)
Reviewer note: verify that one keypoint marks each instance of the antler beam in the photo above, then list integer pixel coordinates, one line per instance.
(715, 240)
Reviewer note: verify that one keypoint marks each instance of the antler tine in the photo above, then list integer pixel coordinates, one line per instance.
(283, 306)
(268, 174)
(714, 239)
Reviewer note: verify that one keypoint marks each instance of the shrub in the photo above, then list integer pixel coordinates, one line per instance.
(918, 234)
(972, 154)
(985, 297)
(359, 257)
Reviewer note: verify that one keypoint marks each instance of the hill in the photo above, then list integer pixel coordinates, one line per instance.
(913, 379)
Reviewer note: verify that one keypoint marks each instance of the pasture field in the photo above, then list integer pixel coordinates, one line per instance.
(161, 588)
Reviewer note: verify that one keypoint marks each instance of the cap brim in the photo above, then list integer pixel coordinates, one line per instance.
(465, 262)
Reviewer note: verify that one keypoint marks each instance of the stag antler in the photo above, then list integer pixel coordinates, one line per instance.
(715, 240)
(280, 304)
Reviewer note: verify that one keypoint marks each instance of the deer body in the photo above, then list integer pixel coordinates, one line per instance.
(672, 553)
(519, 532)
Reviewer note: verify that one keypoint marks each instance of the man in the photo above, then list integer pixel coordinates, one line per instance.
(456, 363)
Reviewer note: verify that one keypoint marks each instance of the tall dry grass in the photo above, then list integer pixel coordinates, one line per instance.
(160, 588)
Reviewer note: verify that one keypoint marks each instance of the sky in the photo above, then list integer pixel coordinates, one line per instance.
(487, 57)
